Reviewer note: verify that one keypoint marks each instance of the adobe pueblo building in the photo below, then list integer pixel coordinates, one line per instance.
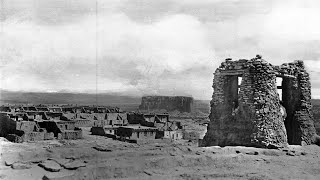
(246, 106)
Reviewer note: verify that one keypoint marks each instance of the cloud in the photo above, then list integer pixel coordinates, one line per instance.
(149, 47)
(130, 55)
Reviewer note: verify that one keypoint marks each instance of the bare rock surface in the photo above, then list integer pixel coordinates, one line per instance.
(74, 165)
(61, 161)
(50, 165)
(102, 148)
(20, 165)
(59, 176)
(9, 162)
(162, 160)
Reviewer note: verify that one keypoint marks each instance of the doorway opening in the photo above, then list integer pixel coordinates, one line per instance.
(291, 100)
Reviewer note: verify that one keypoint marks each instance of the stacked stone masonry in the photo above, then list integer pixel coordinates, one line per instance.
(250, 113)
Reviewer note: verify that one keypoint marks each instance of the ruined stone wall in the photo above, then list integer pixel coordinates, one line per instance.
(297, 100)
(169, 103)
(251, 116)
(268, 123)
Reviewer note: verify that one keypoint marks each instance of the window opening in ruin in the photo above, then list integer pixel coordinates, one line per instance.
(239, 83)
(235, 97)
(279, 87)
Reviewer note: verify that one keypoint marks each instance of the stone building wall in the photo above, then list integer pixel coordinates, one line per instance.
(299, 122)
(74, 134)
(169, 103)
(250, 114)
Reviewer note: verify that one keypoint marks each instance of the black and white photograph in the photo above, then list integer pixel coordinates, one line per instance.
(159, 89)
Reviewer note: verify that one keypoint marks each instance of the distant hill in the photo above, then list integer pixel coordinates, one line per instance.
(315, 102)
(316, 113)
(128, 103)
(65, 98)
(202, 106)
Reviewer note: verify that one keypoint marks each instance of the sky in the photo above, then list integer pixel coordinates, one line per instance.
(149, 47)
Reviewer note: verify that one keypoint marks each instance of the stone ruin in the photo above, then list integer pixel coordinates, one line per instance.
(246, 106)
(168, 103)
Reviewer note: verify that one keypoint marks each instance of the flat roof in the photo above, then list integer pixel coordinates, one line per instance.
(139, 127)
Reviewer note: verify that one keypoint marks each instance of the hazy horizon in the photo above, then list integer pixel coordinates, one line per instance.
(139, 47)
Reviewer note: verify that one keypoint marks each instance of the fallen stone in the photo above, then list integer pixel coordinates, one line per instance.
(9, 162)
(285, 150)
(20, 165)
(252, 153)
(102, 148)
(71, 157)
(304, 153)
(36, 160)
(148, 172)
(50, 165)
(74, 165)
(291, 153)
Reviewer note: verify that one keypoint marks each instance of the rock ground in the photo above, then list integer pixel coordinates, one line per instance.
(50, 165)
(156, 160)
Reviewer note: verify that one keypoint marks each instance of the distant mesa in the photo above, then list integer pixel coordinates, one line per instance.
(168, 103)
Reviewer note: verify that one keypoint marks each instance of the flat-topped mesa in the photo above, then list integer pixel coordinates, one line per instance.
(168, 103)
(247, 110)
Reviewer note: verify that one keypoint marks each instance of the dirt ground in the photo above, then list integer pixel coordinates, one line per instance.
(98, 157)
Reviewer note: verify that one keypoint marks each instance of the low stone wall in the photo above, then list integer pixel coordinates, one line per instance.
(77, 134)
(192, 135)
(33, 136)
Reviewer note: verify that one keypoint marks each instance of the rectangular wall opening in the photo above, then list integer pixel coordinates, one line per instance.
(279, 87)
(290, 101)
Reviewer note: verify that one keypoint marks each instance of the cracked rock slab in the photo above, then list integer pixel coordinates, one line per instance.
(102, 148)
(74, 165)
(20, 165)
(51, 166)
